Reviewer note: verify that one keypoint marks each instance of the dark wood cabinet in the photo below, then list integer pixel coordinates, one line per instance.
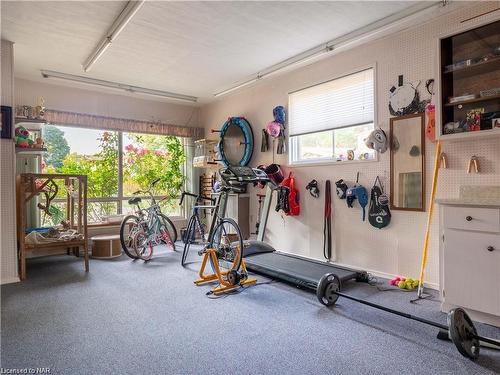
(470, 82)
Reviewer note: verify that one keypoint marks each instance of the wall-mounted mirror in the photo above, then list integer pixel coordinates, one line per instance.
(407, 162)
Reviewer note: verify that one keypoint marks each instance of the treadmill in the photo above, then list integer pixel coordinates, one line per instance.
(262, 258)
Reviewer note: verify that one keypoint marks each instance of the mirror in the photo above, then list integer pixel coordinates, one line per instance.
(407, 162)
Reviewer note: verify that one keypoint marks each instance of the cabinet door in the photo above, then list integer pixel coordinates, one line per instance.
(471, 271)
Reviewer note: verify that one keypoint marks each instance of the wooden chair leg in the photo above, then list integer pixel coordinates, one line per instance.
(23, 265)
(86, 256)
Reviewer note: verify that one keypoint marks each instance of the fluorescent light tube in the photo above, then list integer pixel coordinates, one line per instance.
(119, 86)
(286, 64)
(116, 28)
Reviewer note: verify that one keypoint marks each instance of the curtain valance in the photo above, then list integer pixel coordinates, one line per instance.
(119, 124)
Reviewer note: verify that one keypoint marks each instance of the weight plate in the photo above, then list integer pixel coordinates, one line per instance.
(463, 333)
(327, 286)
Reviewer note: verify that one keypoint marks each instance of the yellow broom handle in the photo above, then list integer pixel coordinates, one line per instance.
(425, 250)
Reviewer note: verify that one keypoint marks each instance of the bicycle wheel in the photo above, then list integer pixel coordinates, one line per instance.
(170, 227)
(128, 228)
(227, 240)
(142, 245)
(188, 238)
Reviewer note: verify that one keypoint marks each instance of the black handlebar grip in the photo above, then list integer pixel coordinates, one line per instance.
(155, 182)
(182, 198)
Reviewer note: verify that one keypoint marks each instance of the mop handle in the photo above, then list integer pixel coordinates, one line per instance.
(429, 220)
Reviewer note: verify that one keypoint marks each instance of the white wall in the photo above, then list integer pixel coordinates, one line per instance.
(64, 98)
(395, 250)
(8, 249)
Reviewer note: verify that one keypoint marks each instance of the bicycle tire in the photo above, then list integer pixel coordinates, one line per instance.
(172, 231)
(142, 245)
(235, 262)
(126, 241)
(190, 232)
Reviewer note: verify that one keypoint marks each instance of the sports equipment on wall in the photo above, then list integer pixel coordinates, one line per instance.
(234, 129)
(327, 225)
(293, 196)
(263, 258)
(379, 214)
(313, 188)
(377, 140)
(460, 327)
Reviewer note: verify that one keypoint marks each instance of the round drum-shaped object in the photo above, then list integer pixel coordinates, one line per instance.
(326, 290)
(236, 142)
(463, 333)
(106, 246)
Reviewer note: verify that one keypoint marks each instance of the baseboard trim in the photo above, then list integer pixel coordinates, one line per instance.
(10, 280)
(384, 275)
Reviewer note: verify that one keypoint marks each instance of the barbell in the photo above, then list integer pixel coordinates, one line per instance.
(460, 328)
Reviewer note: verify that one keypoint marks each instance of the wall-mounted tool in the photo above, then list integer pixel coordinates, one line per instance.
(473, 163)
(443, 161)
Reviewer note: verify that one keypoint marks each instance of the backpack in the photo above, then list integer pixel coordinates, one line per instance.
(379, 214)
(293, 196)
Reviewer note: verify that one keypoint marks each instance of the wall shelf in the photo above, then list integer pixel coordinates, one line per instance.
(19, 120)
(476, 68)
(30, 151)
(475, 100)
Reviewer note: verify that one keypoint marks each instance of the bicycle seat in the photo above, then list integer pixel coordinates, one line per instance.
(135, 200)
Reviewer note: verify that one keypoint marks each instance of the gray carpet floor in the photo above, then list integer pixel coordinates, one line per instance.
(131, 317)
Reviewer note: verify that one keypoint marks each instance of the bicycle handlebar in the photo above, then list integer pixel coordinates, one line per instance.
(197, 196)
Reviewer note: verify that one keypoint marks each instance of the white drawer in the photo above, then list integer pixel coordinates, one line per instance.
(472, 218)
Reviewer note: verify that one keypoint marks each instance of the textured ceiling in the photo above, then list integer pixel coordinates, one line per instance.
(193, 48)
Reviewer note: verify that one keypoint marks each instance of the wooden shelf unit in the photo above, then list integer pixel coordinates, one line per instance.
(29, 186)
(481, 46)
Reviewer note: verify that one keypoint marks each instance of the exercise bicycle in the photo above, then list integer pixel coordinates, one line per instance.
(225, 255)
(224, 247)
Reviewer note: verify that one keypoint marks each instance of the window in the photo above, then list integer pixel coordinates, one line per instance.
(116, 164)
(329, 122)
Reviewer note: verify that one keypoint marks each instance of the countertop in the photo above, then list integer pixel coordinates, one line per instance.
(481, 202)
(474, 196)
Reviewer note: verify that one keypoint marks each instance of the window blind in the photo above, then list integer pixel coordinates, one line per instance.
(334, 104)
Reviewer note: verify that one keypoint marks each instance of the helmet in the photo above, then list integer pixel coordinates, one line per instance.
(279, 114)
(273, 129)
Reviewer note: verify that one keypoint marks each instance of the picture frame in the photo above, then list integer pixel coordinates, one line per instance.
(6, 122)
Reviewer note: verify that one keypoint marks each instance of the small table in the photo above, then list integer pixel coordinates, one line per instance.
(106, 246)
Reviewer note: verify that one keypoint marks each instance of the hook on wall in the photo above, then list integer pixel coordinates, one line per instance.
(473, 162)
(443, 161)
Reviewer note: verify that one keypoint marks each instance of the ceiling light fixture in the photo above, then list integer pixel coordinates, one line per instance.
(116, 28)
(119, 86)
(374, 30)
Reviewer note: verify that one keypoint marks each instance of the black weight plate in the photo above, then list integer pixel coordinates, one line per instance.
(327, 286)
(463, 333)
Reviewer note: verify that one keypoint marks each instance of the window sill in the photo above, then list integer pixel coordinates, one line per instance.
(330, 162)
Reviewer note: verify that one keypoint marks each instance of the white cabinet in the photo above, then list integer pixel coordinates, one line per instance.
(470, 260)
